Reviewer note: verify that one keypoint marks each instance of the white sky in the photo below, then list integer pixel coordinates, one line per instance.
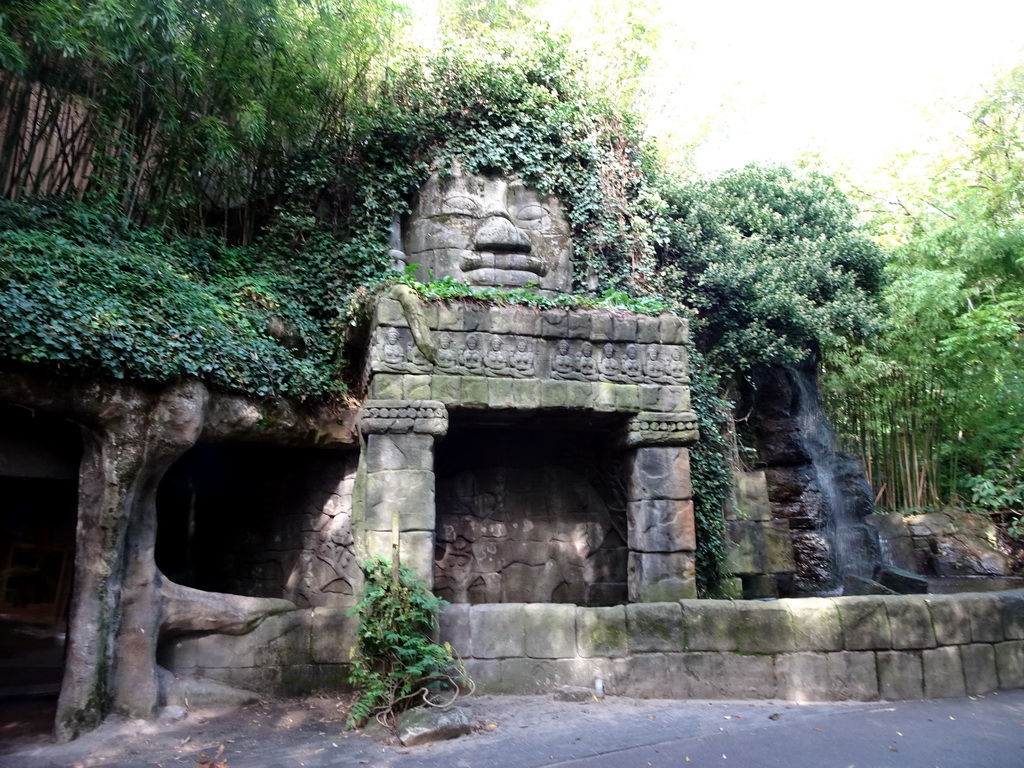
(850, 80)
(768, 80)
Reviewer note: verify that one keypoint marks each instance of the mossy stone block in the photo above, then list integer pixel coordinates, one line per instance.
(764, 628)
(601, 632)
(865, 623)
(910, 622)
(474, 391)
(950, 618)
(554, 394)
(816, 624)
(654, 627)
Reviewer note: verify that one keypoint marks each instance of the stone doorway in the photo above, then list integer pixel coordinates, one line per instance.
(531, 513)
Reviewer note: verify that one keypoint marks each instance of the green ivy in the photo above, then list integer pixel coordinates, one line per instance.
(86, 293)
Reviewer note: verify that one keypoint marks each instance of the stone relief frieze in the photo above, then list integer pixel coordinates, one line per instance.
(460, 353)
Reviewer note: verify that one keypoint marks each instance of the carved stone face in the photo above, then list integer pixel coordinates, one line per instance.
(488, 232)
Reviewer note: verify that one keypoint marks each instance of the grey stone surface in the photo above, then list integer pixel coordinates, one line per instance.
(645, 676)
(900, 675)
(778, 547)
(853, 676)
(731, 676)
(485, 673)
(861, 585)
(943, 673)
(499, 631)
(654, 627)
(550, 631)
(541, 676)
(950, 618)
(910, 622)
(485, 243)
(332, 635)
(979, 663)
(744, 547)
(659, 577)
(415, 549)
(750, 496)
(1013, 614)
(1010, 664)
(409, 494)
(659, 473)
(865, 623)
(901, 581)
(764, 627)
(421, 725)
(454, 628)
(399, 452)
(816, 625)
(661, 525)
(575, 693)
(803, 677)
(986, 618)
(601, 632)
(710, 625)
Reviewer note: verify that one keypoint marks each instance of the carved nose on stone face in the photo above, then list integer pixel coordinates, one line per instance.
(499, 235)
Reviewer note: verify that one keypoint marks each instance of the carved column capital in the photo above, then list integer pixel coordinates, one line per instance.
(651, 428)
(423, 417)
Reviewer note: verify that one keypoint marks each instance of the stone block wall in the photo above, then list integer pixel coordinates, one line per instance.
(804, 649)
(811, 649)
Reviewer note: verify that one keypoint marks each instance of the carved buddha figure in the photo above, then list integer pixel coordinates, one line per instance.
(488, 232)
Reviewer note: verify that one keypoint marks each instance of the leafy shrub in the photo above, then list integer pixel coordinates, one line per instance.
(395, 663)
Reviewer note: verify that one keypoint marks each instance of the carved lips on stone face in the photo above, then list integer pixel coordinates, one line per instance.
(488, 232)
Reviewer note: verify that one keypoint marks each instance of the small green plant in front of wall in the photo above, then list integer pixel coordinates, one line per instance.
(396, 664)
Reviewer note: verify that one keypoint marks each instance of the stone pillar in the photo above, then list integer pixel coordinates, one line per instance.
(397, 477)
(659, 508)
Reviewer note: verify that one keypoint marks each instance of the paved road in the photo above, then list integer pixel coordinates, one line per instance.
(529, 732)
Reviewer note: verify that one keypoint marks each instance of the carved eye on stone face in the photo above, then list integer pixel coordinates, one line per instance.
(532, 216)
(460, 205)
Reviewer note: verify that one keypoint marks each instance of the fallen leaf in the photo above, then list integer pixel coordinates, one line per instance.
(817, 729)
(775, 716)
(893, 749)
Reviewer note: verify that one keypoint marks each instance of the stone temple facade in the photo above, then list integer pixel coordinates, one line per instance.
(524, 455)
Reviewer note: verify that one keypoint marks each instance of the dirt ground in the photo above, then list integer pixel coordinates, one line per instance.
(245, 732)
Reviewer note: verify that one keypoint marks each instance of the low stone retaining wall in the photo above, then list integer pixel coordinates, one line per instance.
(810, 649)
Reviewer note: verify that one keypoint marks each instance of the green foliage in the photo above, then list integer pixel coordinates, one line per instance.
(773, 265)
(168, 110)
(91, 294)
(395, 660)
(942, 420)
(710, 472)
(448, 289)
